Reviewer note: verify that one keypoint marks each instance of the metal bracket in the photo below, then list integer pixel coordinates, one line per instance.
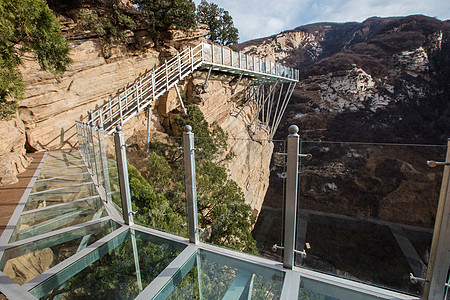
(415, 280)
(433, 163)
(307, 156)
(276, 247)
(302, 253)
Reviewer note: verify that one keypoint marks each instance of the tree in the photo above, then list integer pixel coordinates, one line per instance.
(28, 30)
(221, 205)
(160, 15)
(219, 22)
(110, 23)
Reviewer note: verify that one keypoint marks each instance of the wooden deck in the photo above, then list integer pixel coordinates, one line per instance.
(11, 194)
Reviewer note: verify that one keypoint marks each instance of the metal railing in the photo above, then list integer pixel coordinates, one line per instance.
(148, 87)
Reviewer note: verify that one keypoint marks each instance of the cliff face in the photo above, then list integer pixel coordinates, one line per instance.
(250, 166)
(382, 80)
(52, 105)
(12, 152)
(387, 79)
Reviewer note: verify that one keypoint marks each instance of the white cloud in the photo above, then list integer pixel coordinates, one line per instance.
(261, 18)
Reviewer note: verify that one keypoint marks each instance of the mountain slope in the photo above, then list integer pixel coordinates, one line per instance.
(382, 80)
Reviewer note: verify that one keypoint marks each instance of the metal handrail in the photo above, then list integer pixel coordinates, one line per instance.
(148, 87)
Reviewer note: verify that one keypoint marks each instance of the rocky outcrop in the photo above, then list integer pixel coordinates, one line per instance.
(52, 105)
(220, 103)
(386, 78)
(12, 151)
(28, 266)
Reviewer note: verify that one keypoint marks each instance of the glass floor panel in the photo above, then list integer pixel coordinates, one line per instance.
(59, 182)
(68, 194)
(61, 172)
(212, 276)
(62, 165)
(43, 221)
(316, 290)
(55, 158)
(120, 269)
(25, 262)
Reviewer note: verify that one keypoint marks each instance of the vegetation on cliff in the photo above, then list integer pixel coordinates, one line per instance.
(160, 200)
(28, 30)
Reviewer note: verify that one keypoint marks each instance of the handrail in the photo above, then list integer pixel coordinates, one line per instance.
(154, 83)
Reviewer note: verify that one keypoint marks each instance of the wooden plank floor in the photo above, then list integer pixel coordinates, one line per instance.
(11, 194)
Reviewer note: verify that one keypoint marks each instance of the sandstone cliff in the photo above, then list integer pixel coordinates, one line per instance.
(12, 152)
(52, 105)
(250, 167)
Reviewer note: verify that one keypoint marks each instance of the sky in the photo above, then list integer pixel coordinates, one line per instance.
(262, 18)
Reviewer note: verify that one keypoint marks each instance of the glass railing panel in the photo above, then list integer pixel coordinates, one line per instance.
(98, 157)
(67, 194)
(212, 276)
(235, 61)
(217, 54)
(61, 172)
(231, 184)
(59, 182)
(120, 269)
(53, 218)
(110, 179)
(316, 290)
(207, 54)
(25, 262)
(268, 230)
(157, 183)
(367, 211)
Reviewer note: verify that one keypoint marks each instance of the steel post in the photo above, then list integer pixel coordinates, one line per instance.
(122, 168)
(438, 263)
(190, 182)
(149, 126)
(291, 197)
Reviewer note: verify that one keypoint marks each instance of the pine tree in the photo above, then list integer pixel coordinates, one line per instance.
(160, 15)
(219, 22)
(29, 30)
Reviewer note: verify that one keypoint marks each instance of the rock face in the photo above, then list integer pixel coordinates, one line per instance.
(250, 167)
(380, 81)
(386, 78)
(12, 151)
(52, 105)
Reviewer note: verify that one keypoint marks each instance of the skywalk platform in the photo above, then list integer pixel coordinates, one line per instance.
(65, 241)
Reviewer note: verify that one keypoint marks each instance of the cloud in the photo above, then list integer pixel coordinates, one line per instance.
(261, 18)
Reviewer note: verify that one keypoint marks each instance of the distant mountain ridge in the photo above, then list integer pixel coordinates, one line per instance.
(382, 80)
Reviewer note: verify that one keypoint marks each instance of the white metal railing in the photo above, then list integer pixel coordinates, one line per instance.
(224, 56)
(148, 87)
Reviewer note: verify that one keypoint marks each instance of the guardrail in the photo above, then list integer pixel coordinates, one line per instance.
(148, 87)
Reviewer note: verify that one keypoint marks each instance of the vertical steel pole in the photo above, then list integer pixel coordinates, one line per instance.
(104, 161)
(191, 185)
(291, 197)
(122, 168)
(149, 126)
(438, 263)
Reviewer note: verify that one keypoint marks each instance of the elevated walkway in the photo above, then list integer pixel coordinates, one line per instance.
(147, 88)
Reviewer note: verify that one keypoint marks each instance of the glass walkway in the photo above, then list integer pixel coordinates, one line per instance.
(67, 239)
